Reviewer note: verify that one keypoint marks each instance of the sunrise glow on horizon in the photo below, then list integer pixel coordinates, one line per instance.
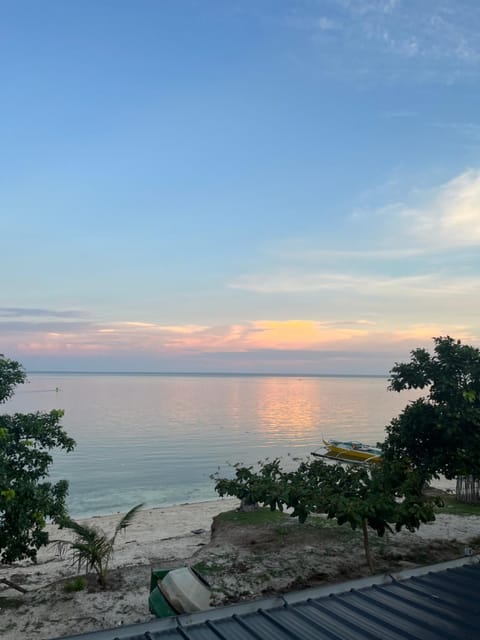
(280, 186)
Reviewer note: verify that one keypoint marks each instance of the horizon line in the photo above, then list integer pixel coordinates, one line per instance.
(210, 373)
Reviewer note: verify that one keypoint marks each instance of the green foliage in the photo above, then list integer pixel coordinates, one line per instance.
(11, 374)
(438, 433)
(27, 499)
(253, 487)
(92, 548)
(258, 517)
(380, 497)
(451, 505)
(77, 584)
(208, 568)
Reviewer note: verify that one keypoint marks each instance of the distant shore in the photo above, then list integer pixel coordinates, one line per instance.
(230, 374)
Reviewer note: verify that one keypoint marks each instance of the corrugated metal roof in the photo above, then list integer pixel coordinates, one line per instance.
(434, 603)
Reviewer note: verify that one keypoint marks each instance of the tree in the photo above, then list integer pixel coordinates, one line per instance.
(11, 374)
(252, 488)
(92, 548)
(27, 499)
(379, 498)
(440, 432)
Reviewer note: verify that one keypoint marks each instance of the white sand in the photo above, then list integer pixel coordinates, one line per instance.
(156, 537)
(164, 532)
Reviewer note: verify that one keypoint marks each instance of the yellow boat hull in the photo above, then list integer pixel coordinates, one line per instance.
(336, 450)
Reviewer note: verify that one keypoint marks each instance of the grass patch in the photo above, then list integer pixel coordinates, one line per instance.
(321, 522)
(10, 603)
(450, 505)
(77, 584)
(475, 541)
(282, 530)
(208, 568)
(258, 517)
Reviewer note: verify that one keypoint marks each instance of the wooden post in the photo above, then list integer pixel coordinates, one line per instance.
(468, 489)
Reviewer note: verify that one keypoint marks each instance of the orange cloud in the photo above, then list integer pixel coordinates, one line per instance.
(297, 334)
(286, 335)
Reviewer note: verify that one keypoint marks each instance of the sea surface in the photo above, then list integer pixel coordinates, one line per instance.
(157, 438)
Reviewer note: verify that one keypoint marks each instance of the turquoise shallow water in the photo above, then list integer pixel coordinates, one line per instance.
(157, 438)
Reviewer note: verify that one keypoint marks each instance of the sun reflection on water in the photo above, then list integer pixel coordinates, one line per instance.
(286, 407)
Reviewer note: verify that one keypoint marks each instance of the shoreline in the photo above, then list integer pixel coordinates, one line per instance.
(159, 537)
(442, 484)
(169, 505)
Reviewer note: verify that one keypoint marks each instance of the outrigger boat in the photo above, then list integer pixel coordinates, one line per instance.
(349, 451)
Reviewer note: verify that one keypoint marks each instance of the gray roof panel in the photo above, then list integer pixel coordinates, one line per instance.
(435, 603)
(361, 623)
(419, 623)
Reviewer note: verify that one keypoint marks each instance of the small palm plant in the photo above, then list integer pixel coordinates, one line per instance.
(92, 548)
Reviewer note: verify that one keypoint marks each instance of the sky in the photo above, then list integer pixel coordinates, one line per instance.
(264, 186)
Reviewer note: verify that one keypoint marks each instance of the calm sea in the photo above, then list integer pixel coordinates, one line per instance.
(157, 438)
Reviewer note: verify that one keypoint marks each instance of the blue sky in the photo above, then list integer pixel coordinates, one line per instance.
(269, 186)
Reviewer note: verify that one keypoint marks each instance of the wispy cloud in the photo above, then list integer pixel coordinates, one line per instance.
(419, 259)
(409, 287)
(452, 216)
(364, 7)
(344, 298)
(307, 23)
(289, 344)
(295, 335)
(437, 41)
(432, 221)
(22, 312)
(325, 24)
(470, 131)
(317, 255)
(43, 326)
(257, 335)
(183, 329)
(399, 113)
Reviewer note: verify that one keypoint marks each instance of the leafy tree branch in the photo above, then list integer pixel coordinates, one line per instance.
(27, 498)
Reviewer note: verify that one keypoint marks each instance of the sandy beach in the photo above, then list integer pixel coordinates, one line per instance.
(166, 533)
(158, 537)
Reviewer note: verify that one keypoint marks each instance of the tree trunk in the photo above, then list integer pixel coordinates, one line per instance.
(468, 489)
(246, 506)
(13, 585)
(366, 545)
